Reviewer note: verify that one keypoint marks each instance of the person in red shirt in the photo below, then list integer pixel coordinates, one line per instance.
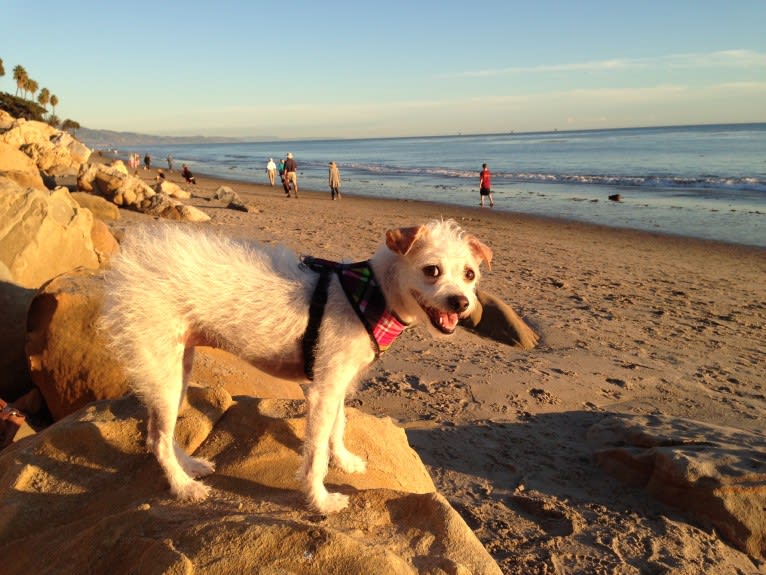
(485, 185)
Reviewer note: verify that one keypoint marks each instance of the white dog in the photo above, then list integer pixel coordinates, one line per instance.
(312, 321)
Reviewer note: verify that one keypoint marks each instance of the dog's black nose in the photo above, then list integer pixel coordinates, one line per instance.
(458, 303)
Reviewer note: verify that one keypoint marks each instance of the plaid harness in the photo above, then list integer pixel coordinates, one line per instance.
(364, 295)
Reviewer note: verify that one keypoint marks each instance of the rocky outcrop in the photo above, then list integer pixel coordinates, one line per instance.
(53, 151)
(171, 189)
(17, 166)
(100, 207)
(130, 191)
(14, 302)
(43, 234)
(69, 360)
(85, 490)
(72, 366)
(716, 475)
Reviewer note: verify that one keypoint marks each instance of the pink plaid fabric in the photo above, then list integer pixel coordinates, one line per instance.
(367, 299)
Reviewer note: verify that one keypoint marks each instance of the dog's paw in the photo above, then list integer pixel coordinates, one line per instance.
(330, 502)
(198, 466)
(191, 491)
(348, 462)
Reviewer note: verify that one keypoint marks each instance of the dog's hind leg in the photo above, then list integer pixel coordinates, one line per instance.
(163, 401)
(194, 466)
(339, 455)
(322, 411)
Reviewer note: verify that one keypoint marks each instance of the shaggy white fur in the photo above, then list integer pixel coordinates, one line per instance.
(172, 288)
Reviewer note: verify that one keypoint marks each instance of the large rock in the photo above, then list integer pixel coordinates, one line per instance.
(716, 475)
(17, 166)
(495, 319)
(85, 495)
(171, 189)
(131, 192)
(115, 185)
(68, 357)
(53, 151)
(14, 302)
(70, 362)
(100, 207)
(43, 234)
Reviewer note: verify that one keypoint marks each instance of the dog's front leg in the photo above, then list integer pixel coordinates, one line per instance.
(323, 405)
(339, 455)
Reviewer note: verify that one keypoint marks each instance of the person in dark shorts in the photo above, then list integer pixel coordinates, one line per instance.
(485, 186)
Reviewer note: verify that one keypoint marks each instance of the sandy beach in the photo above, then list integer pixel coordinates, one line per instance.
(630, 322)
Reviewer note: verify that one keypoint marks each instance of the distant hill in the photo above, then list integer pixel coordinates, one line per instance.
(109, 139)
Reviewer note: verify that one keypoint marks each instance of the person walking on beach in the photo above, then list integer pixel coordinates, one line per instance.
(291, 174)
(170, 163)
(147, 162)
(485, 185)
(271, 170)
(333, 179)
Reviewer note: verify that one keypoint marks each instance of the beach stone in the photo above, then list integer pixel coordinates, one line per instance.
(494, 319)
(615, 197)
(43, 234)
(112, 507)
(232, 200)
(15, 380)
(53, 151)
(17, 166)
(715, 475)
(69, 360)
(129, 191)
(100, 207)
(71, 364)
(171, 189)
(113, 184)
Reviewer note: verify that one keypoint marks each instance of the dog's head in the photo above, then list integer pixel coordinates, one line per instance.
(431, 273)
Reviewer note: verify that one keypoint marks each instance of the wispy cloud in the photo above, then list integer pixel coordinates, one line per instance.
(720, 59)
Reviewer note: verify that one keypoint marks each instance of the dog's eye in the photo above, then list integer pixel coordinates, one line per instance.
(469, 275)
(432, 271)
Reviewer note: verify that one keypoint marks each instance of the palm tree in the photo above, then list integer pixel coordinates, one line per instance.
(33, 87)
(54, 102)
(20, 77)
(44, 98)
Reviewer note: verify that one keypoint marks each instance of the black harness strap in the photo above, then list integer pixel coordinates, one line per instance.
(316, 311)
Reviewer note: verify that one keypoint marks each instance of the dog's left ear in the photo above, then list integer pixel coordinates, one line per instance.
(400, 240)
(482, 252)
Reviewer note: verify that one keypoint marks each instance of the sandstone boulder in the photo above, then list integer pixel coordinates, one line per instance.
(84, 491)
(70, 362)
(100, 207)
(130, 191)
(495, 319)
(43, 234)
(17, 166)
(14, 302)
(53, 151)
(232, 200)
(115, 185)
(68, 358)
(171, 189)
(716, 475)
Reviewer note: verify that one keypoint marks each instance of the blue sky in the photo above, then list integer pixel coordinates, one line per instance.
(394, 68)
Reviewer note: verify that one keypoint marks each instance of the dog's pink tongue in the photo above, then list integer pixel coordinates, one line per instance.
(448, 320)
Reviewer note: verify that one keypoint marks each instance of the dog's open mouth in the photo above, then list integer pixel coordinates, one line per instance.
(445, 322)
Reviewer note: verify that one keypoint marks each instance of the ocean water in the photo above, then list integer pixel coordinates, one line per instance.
(698, 181)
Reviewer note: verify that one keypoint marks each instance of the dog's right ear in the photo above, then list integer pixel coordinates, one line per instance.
(400, 240)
